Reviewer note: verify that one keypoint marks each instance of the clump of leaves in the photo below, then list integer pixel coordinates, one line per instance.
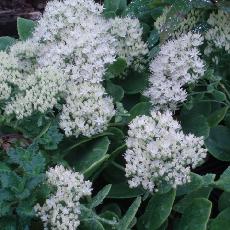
(199, 205)
(21, 186)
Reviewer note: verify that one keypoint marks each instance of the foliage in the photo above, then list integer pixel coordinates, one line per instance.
(30, 146)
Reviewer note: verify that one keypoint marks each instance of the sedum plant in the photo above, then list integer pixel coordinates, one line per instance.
(116, 116)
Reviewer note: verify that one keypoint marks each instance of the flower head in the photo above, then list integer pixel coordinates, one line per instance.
(219, 33)
(178, 63)
(159, 152)
(73, 36)
(38, 92)
(129, 44)
(62, 208)
(87, 110)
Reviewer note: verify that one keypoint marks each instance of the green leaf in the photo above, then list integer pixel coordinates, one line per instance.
(109, 216)
(184, 203)
(4, 168)
(224, 201)
(118, 7)
(93, 157)
(6, 42)
(5, 209)
(222, 221)
(218, 95)
(199, 108)
(91, 224)
(158, 210)
(25, 210)
(195, 190)
(142, 108)
(8, 223)
(196, 182)
(117, 67)
(51, 138)
(101, 195)
(135, 82)
(153, 38)
(196, 215)
(32, 162)
(216, 117)
(122, 191)
(112, 207)
(153, 52)
(224, 181)
(115, 91)
(218, 143)
(25, 28)
(196, 124)
(129, 215)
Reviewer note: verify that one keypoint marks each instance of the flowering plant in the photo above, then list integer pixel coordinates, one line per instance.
(116, 116)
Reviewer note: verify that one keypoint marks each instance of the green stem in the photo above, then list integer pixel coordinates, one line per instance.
(118, 166)
(226, 91)
(43, 131)
(221, 102)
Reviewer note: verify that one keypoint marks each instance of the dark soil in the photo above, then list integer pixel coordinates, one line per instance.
(11, 9)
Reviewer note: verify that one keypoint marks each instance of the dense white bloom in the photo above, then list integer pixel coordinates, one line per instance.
(26, 53)
(219, 33)
(129, 44)
(73, 36)
(158, 152)
(61, 210)
(177, 64)
(87, 110)
(8, 72)
(39, 92)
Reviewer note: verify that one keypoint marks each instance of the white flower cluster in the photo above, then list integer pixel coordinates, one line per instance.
(177, 64)
(8, 72)
(66, 59)
(129, 44)
(186, 25)
(87, 110)
(219, 33)
(73, 36)
(61, 210)
(158, 151)
(26, 53)
(41, 91)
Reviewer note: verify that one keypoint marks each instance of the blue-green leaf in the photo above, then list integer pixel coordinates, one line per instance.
(222, 221)
(101, 195)
(25, 28)
(196, 215)
(129, 215)
(224, 181)
(142, 108)
(158, 210)
(93, 157)
(218, 143)
(122, 191)
(6, 42)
